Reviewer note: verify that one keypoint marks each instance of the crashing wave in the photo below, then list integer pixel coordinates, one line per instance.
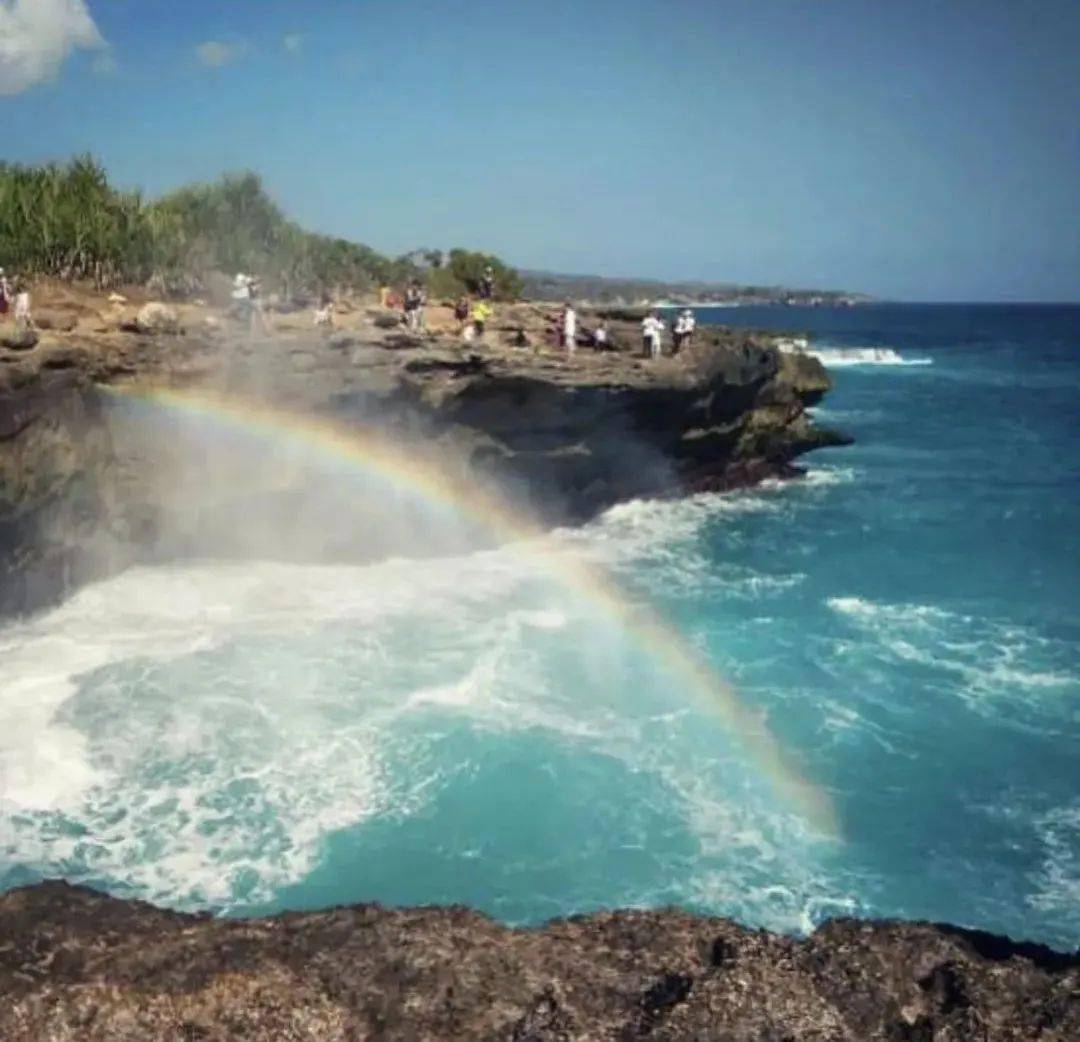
(842, 356)
(846, 356)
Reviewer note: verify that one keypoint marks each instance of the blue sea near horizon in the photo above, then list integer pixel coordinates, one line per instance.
(257, 736)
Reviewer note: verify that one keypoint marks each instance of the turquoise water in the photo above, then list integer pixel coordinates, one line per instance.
(251, 736)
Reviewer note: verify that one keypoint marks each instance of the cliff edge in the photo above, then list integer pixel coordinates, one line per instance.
(77, 966)
(567, 435)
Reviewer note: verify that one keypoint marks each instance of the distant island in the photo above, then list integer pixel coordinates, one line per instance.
(547, 285)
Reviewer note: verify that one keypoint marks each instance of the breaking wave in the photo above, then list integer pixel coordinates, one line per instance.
(839, 357)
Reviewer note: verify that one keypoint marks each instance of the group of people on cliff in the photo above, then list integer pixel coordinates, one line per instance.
(652, 329)
(471, 316)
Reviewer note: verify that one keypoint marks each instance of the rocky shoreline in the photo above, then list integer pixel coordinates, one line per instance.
(81, 497)
(78, 966)
(569, 437)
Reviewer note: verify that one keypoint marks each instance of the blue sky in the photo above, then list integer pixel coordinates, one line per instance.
(916, 150)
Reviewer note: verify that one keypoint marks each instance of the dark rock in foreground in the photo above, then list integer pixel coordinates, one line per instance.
(76, 965)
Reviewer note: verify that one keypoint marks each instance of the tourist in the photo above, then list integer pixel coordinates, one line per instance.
(487, 283)
(257, 316)
(481, 315)
(5, 293)
(652, 328)
(421, 308)
(23, 319)
(678, 331)
(461, 313)
(384, 295)
(241, 297)
(324, 313)
(569, 327)
(600, 336)
(684, 328)
(414, 306)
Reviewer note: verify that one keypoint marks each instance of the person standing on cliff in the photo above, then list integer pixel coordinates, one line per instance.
(487, 284)
(23, 321)
(257, 311)
(652, 329)
(461, 313)
(414, 307)
(689, 325)
(569, 327)
(5, 293)
(241, 296)
(683, 331)
(481, 314)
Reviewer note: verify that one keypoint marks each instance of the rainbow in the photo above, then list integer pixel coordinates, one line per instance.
(446, 483)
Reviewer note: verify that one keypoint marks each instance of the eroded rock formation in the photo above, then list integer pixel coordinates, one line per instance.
(76, 966)
(568, 436)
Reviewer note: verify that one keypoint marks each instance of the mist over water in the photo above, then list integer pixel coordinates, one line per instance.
(353, 723)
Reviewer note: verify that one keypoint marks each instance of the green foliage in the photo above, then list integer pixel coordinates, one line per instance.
(466, 269)
(66, 221)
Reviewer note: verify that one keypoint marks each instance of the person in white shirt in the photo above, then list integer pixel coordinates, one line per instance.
(689, 325)
(652, 329)
(241, 296)
(23, 321)
(5, 293)
(684, 330)
(599, 336)
(324, 313)
(256, 314)
(569, 327)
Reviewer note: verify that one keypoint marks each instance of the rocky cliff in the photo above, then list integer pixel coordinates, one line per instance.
(570, 436)
(76, 966)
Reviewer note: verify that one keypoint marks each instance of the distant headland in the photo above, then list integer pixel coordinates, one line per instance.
(633, 292)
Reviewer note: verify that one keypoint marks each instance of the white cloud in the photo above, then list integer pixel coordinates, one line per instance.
(214, 54)
(37, 36)
(292, 42)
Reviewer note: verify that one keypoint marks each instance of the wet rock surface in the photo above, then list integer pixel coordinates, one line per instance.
(77, 965)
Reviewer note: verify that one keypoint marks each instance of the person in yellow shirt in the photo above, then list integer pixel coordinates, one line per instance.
(481, 315)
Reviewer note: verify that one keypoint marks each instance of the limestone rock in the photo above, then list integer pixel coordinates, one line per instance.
(56, 319)
(340, 341)
(24, 341)
(77, 966)
(157, 318)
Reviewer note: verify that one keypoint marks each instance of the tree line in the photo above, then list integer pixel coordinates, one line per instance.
(66, 221)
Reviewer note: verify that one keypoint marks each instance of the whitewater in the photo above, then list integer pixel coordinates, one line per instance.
(257, 735)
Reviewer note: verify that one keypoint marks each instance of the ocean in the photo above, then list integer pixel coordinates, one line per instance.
(254, 736)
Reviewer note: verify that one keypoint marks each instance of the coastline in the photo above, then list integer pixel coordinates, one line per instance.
(566, 437)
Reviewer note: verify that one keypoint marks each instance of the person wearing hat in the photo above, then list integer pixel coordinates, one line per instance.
(683, 331)
(689, 325)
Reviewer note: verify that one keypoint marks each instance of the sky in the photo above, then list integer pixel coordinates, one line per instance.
(924, 150)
